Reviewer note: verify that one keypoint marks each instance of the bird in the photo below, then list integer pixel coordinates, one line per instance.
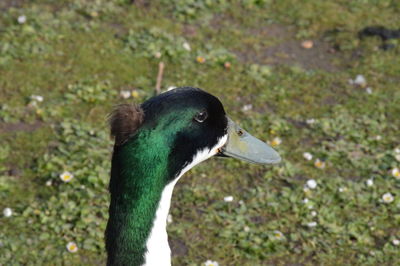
(155, 144)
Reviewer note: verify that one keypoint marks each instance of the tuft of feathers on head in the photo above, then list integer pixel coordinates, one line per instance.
(124, 120)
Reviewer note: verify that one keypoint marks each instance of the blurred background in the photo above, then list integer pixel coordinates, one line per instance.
(319, 80)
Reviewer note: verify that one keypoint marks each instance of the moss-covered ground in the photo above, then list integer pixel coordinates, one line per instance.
(81, 56)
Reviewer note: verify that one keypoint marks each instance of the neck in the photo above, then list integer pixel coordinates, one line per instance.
(141, 187)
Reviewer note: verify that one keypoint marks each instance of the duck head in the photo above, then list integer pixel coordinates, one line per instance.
(192, 125)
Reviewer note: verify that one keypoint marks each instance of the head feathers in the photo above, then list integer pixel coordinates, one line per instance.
(124, 120)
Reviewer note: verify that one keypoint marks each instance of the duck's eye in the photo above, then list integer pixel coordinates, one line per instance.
(201, 116)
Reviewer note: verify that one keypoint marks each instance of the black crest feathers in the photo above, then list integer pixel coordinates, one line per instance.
(124, 120)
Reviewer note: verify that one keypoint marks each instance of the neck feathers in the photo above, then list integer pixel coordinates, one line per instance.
(143, 176)
(138, 178)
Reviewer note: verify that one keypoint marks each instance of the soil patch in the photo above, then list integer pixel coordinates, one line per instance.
(276, 44)
(289, 51)
(20, 126)
(178, 247)
(7, 4)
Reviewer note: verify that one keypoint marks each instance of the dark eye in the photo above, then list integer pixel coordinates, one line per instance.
(201, 116)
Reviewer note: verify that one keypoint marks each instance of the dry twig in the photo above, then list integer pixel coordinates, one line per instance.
(159, 77)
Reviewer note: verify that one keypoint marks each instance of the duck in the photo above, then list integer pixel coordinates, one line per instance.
(156, 143)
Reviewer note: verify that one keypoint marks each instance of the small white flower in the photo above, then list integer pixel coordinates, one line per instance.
(396, 242)
(246, 229)
(157, 55)
(33, 103)
(66, 176)
(312, 224)
(308, 156)
(21, 19)
(125, 94)
(200, 59)
(310, 121)
(370, 182)
(247, 107)
(319, 164)
(171, 88)
(49, 183)
(278, 235)
(276, 141)
(211, 263)
(169, 218)
(186, 46)
(368, 90)
(241, 202)
(378, 138)
(7, 212)
(397, 156)
(387, 197)
(37, 98)
(72, 247)
(314, 213)
(311, 183)
(342, 189)
(360, 80)
(228, 198)
(396, 173)
(305, 201)
(397, 150)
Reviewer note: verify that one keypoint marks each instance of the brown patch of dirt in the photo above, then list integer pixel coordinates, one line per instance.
(276, 44)
(119, 29)
(178, 247)
(258, 219)
(7, 4)
(297, 123)
(274, 31)
(288, 50)
(189, 30)
(330, 100)
(20, 126)
(14, 171)
(141, 3)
